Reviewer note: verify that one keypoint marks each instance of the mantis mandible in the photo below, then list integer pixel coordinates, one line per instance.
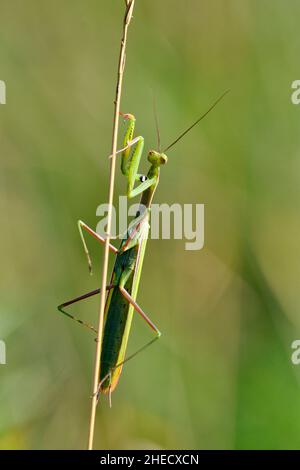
(124, 283)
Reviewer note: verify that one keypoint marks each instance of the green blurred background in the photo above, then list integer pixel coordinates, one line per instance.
(221, 376)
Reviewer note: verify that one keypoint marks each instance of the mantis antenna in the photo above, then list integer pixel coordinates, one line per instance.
(198, 120)
(156, 124)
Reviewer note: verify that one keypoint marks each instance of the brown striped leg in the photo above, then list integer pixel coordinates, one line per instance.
(78, 299)
(82, 226)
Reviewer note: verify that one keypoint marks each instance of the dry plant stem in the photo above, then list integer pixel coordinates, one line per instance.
(127, 18)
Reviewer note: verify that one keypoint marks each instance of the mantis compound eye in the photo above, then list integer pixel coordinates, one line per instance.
(157, 158)
(143, 178)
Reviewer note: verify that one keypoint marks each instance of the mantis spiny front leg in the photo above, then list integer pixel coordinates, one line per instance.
(131, 161)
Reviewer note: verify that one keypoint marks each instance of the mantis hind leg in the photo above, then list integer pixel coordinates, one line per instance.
(62, 307)
(108, 388)
(139, 310)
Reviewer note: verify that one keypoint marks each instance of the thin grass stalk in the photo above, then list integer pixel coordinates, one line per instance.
(129, 4)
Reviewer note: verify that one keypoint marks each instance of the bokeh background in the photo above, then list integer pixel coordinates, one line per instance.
(221, 376)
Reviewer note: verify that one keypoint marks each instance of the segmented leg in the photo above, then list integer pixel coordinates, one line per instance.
(139, 310)
(78, 299)
(82, 226)
(131, 160)
(129, 298)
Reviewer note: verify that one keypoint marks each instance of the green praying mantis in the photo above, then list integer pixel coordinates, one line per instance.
(125, 279)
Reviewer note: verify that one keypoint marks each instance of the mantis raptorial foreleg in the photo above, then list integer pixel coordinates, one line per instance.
(82, 226)
(131, 160)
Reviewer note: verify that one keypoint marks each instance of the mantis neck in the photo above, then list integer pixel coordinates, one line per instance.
(147, 196)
